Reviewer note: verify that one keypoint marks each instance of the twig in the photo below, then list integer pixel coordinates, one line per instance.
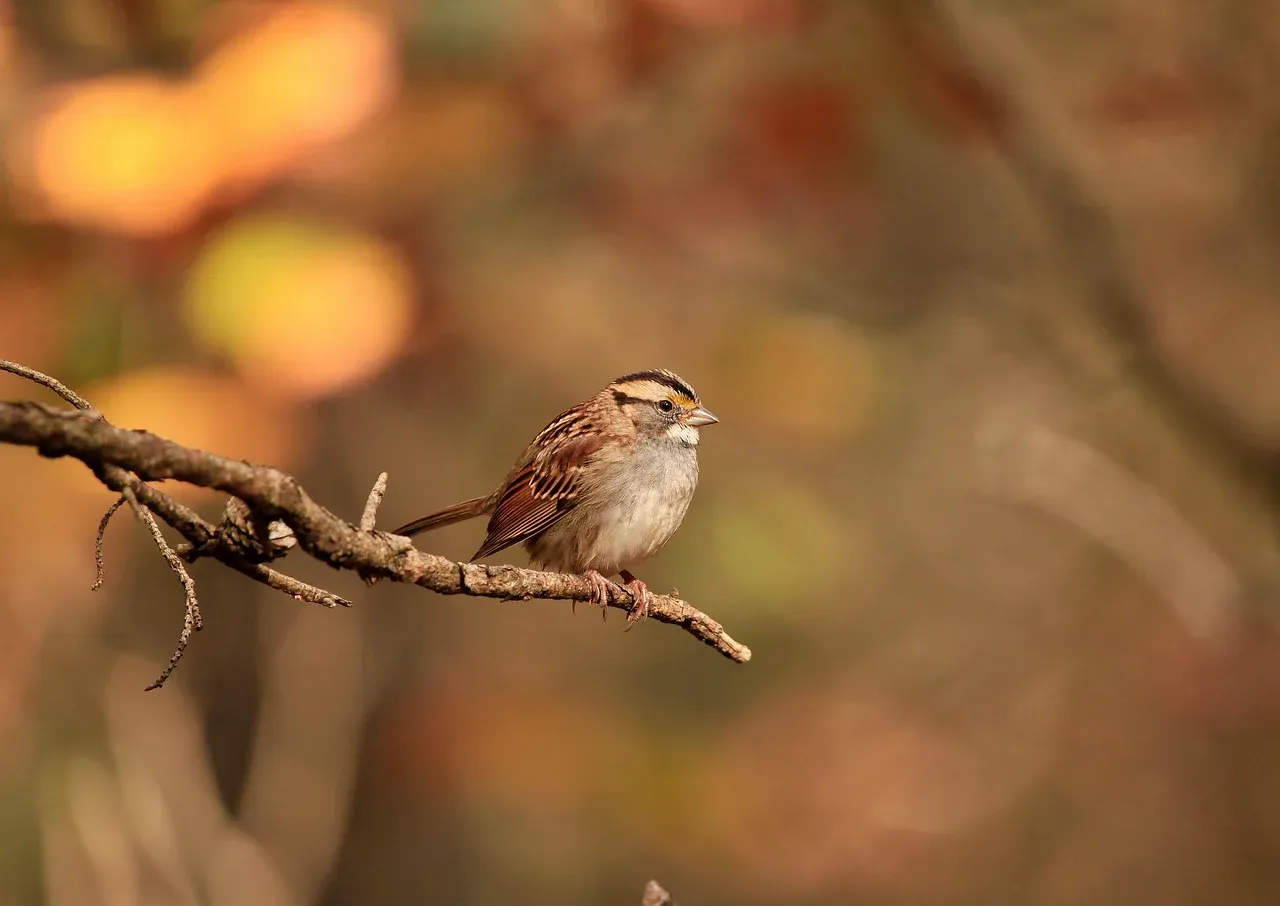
(113, 452)
(192, 621)
(53, 384)
(294, 588)
(99, 561)
(188, 584)
(655, 895)
(370, 515)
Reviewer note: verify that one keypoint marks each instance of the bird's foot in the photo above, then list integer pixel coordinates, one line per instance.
(600, 586)
(642, 595)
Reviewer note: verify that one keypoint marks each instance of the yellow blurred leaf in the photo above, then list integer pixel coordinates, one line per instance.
(302, 310)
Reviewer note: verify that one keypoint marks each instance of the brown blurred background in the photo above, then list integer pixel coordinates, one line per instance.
(984, 295)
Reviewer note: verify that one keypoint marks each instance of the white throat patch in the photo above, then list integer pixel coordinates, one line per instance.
(685, 434)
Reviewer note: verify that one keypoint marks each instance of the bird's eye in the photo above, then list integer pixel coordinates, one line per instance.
(666, 405)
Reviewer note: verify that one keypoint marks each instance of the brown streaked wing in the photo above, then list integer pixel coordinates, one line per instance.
(539, 494)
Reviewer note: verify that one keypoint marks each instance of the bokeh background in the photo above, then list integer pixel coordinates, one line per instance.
(983, 293)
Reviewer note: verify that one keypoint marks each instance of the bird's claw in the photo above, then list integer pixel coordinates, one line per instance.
(600, 592)
(643, 597)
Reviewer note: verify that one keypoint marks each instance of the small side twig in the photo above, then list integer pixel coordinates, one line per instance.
(370, 516)
(192, 620)
(294, 588)
(53, 384)
(98, 559)
(656, 895)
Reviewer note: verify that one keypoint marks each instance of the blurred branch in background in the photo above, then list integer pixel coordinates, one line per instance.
(146, 821)
(1106, 336)
(126, 460)
(1069, 480)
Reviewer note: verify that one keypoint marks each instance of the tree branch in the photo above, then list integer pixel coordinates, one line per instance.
(1107, 336)
(124, 459)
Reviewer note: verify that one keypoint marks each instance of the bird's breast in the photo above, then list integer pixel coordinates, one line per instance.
(630, 514)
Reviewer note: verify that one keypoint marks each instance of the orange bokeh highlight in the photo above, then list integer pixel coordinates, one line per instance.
(302, 76)
(142, 155)
(122, 153)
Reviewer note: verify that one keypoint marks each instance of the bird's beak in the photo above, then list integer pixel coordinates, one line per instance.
(699, 417)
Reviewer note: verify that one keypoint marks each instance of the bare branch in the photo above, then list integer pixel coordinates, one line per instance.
(114, 452)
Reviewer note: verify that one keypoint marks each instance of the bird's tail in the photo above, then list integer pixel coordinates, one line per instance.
(459, 512)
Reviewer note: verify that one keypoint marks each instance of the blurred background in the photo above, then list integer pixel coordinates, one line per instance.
(983, 294)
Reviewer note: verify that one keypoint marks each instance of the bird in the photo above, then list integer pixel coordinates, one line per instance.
(601, 488)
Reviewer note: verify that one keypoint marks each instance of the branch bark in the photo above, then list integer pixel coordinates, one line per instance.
(126, 460)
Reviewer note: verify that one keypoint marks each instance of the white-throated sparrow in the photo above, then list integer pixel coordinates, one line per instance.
(601, 488)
